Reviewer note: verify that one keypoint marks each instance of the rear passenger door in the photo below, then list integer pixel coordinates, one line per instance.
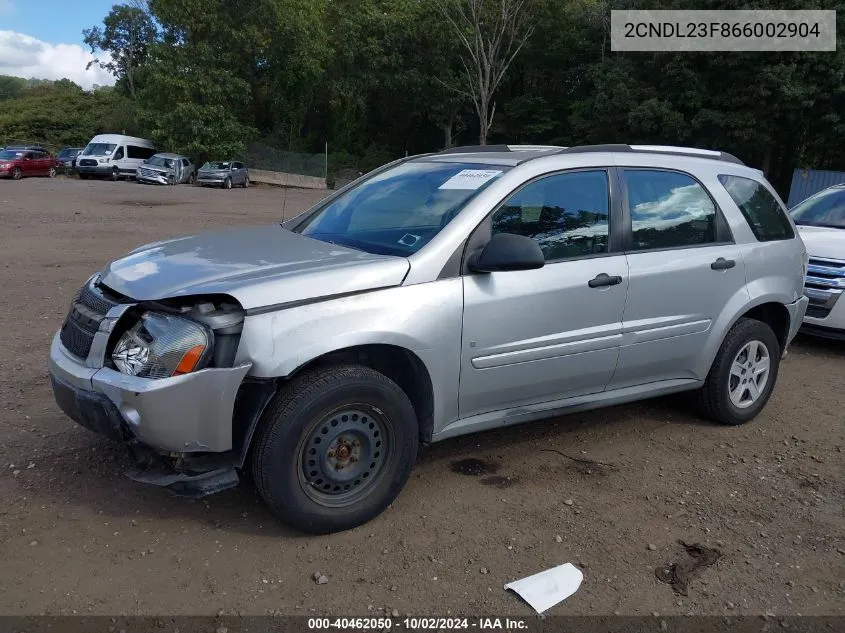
(684, 269)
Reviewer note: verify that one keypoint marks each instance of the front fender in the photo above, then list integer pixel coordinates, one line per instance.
(425, 319)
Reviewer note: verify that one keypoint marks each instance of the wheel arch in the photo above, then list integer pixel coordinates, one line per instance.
(400, 364)
(770, 309)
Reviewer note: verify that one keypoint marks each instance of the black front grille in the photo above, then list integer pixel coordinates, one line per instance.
(87, 162)
(87, 310)
(817, 312)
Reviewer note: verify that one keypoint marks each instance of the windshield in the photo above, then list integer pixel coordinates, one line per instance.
(10, 153)
(216, 165)
(99, 149)
(400, 210)
(824, 209)
(68, 153)
(161, 161)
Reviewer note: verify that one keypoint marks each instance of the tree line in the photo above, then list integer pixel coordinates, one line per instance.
(378, 78)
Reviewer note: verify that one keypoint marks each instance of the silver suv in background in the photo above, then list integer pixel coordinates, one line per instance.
(439, 295)
(821, 223)
(224, 173)
(166, 169)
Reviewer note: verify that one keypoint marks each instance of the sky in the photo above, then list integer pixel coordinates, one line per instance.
(43, 39)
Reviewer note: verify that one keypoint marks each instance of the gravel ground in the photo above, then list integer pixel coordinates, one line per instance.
(78, 537)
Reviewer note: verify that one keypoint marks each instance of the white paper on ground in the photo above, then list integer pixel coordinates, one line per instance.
(470, 179)
(549, 587)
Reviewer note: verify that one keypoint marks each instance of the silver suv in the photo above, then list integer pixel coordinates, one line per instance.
(439, 295)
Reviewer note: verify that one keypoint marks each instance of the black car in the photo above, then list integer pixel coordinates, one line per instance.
(67, 158)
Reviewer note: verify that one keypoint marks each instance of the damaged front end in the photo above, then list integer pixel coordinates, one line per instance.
(158, 376)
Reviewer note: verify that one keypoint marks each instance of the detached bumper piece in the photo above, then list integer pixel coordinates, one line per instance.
(187, 476)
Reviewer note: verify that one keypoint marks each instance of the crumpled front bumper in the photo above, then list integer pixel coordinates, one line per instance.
(190, 413)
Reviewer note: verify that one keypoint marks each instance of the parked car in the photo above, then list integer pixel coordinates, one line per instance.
(67, 158)
(166, 169)
(113, 155)
(821, 223)
(436, 296)
(225, 174)
(17, 163)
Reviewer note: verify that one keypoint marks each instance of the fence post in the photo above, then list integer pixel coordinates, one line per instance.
(327, 164)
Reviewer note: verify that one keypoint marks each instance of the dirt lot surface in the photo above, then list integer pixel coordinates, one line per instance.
(78, 537)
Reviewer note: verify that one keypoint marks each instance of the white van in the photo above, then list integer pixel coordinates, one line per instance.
(113, 155)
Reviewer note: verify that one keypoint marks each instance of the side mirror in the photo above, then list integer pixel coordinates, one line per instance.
(507, 251)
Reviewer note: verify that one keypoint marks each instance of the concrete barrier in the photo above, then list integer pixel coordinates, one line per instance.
(283, 179)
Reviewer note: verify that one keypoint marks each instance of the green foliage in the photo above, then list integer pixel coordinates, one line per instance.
(60, 114)
(123, 42)
(379, 78)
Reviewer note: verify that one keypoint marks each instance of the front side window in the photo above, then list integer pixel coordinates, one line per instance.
(10, 154)
(762, 211)
(185, 162)
(668, 210)
(566, 214)
(118, 154)
(399, 210)
(238, 166)
(823, 209)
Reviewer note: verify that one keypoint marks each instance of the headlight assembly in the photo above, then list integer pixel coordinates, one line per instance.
(162, 345)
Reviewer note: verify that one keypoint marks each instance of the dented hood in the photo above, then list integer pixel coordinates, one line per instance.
(259, 266)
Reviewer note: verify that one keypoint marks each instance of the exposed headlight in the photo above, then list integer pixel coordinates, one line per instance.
(162, 345)
(104, 160)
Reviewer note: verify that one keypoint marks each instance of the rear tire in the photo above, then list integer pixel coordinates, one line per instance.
(52, 172)
(334, 448)
(246, 183)
(743, 374)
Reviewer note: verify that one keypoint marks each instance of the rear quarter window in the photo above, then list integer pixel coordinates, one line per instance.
(764, 214)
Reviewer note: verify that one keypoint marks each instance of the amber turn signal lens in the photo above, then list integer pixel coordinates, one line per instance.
(189, 360)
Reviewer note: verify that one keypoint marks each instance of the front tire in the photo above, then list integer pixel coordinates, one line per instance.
(115, 174)
(191, 178)
(334, 448)
(227, 184)
(743, 374)
(83, 176)
(17, 174)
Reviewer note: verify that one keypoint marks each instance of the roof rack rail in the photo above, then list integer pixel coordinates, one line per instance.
(472, 149)
(657, 149)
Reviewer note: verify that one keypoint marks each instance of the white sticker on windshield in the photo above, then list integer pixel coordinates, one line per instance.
(470, 179)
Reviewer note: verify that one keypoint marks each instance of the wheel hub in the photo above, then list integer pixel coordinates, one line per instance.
(749, 374)
(343, 454)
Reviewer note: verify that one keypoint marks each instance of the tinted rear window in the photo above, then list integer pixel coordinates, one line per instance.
(762, 211)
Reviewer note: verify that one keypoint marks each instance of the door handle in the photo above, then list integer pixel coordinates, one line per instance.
(603, 279)
(722, 264)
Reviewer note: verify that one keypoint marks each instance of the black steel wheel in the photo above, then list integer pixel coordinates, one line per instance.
(334, 448)
(344, 454)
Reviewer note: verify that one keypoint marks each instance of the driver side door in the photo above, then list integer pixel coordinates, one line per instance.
(534, 336)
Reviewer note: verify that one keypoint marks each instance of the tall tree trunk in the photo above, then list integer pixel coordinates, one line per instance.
(447, 135)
